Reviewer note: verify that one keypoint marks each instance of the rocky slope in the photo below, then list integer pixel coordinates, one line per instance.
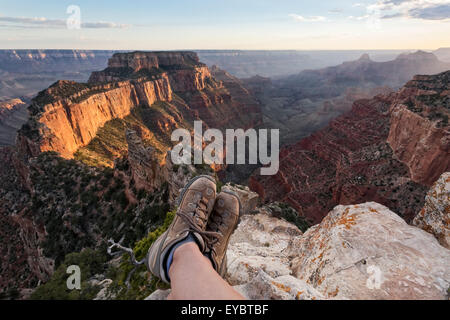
(150, 174)
(358, 252)
(154, 91)
(22, 264)
(67, 207)
(369, 154)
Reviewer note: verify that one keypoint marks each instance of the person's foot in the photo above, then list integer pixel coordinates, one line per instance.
(194, 208)
(223, 221)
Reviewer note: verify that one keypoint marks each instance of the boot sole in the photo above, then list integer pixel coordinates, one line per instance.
(223, 266)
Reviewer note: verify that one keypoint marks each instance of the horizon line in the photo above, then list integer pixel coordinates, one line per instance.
(168, 50)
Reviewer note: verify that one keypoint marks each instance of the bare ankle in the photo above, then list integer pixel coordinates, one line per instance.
(189, 248)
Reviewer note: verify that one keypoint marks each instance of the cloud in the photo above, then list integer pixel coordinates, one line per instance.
(407, 9)
(104, 25)
(364, 17)
(392, 16)
(33, 21)
(441, 12)
(41, 22)
(411, 9)
(300, 18)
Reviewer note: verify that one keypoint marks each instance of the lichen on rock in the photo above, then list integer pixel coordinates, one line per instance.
(366, 251)
(435, 215)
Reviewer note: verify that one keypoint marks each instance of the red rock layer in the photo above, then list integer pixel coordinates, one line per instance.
(69, 123)
(68, 115)
(414, 136)
(376, 152)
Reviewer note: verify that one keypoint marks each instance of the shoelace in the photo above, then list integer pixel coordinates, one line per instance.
(215, 223)
(210, 237)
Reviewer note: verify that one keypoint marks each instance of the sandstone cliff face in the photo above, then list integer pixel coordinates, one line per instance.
(387, 149)
(416, 142)
(68, 123)
(184, 69)
(435, 215)
(190, 80)
(419, 130)
(68, 115)
(148, 60)
(245, 110)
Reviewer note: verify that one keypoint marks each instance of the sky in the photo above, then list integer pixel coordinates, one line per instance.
(225, 24)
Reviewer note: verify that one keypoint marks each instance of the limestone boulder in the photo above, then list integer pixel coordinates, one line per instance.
(264, 287)
(257, 245)
(366, 251)
(249, 199)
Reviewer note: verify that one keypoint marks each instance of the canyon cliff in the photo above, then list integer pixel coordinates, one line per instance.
(419, 129)
(167, 89)
(68, 122)
(305, 102)
(388, 149)
(56, 210)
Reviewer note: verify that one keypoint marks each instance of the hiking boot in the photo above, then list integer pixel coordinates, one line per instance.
(195, 205)
(223, 221)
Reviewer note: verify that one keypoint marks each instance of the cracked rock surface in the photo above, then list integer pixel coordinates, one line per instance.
(360, 251)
